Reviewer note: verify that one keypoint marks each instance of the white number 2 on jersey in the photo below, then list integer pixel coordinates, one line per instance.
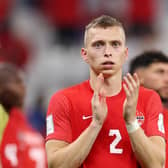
(113, 148)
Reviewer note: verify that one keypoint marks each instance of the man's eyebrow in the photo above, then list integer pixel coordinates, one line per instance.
(98, 41)
(116, 41)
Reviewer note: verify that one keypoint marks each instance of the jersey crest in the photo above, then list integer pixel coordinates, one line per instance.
(140, 117)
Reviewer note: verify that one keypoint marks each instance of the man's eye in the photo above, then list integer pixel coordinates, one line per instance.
(98, 44)
(160, 71)
(115, 44)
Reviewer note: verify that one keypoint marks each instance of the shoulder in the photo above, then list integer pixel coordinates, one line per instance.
(149, 98)
(146, 93)
(66, 97)
(72, 91)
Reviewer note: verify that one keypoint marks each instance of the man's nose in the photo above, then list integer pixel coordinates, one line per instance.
(108, 51)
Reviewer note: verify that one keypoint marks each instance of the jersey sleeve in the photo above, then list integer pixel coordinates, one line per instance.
(155, 122)
(58, 120)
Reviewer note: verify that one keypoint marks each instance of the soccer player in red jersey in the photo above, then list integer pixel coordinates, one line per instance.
(104, 121)
(20, 145)
(152, 69)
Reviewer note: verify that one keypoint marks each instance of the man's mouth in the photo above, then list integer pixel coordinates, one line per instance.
(108, 63)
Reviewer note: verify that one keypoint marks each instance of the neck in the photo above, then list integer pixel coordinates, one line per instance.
(112, 84)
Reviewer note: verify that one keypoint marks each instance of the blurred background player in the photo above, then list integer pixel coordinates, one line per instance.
(152, 69)
(20, 145)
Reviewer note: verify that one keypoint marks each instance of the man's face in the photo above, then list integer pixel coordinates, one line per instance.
(156, 77)
(13, 91)
(105, 50)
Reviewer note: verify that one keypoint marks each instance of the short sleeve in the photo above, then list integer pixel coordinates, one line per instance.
(58, 120)
(155, 121)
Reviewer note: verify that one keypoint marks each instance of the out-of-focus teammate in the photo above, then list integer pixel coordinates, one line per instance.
(152, 69)
(20, 145)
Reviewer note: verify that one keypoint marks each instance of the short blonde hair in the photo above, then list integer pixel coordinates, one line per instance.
(103, 21)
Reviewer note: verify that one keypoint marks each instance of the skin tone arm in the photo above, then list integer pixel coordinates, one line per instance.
(61, 154)
(149, 151)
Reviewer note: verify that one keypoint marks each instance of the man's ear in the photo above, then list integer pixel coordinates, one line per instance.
(84, 55)
(126, 53)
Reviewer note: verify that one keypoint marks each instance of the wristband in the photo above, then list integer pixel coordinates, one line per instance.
(132, 127)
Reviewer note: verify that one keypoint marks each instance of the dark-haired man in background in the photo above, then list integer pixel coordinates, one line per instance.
(152, 69)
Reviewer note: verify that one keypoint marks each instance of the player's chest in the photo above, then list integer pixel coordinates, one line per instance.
(81, 117)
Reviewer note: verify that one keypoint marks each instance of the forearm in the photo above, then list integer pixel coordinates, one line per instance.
(148, 152)
(73, 155)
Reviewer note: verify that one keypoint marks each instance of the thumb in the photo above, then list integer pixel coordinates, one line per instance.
(99, 83)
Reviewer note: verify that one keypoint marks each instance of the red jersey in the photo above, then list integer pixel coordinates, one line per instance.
(166, 133)
(21, 146)
(69, 114)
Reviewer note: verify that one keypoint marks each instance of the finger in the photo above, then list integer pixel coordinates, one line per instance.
(102, 95)
(103, 100)
(99, 83)
(102, 92)
(98, 86)
(132, 80)
(95, 98)
(128, 94)
(136, 78)
(129, 84)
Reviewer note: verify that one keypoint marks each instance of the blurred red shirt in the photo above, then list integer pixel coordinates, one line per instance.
(21, 146)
